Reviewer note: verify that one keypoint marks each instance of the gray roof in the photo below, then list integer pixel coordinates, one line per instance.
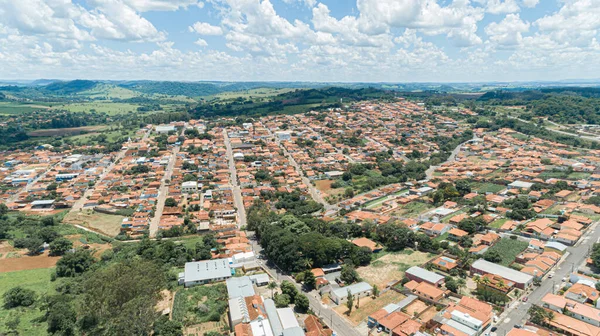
(260, 278)
(556, 246)
(521, 184)
(295, 331)
(461, 327)
(505, 272)
(240, 287)
(354, 289)
(207, 270)
(238, 309)
(287, 318)
(424, 274)
(42, 202)
(273, 317)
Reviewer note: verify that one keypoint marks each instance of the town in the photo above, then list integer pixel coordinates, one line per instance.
(374, 218)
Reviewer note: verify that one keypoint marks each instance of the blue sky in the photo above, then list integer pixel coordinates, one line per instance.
(301, 40)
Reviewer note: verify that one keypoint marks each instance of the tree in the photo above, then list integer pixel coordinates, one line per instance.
(120, 299)
(492, 256)
(272, 286)
(309, 280)
(3, 209)
(349, 302)
(165, 327)
(349, 192)
(302, 303)
(18, 297)
(538, 315)
(282, 300)
(349, 275)
(463, 187)
(72, 264)
(60, 246)
(34, 245)
(170, 202)
(289, 289)
(375, 291)
(60, 315)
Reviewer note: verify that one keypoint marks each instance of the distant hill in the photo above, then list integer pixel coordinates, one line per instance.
(72, 87)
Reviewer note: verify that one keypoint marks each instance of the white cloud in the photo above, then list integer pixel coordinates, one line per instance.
(307, 3)
(201, 43)
(204, 28)
(162, 5)
(500, 6)
(508, 32)
(530, 3)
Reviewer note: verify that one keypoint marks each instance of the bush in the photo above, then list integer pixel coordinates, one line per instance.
(18, 297)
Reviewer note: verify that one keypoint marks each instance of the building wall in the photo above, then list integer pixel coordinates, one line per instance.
(344, 298)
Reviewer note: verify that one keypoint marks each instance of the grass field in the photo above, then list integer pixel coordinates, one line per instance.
(367, 306)
(498, 223)
(19, 108)
(413, 209)
(37, 280)
(488, 188)
(250, 94)
(106, 107)
(105, 223)
(509, 249)
(578, 176)
(52, 132)
(108, 91)
(390, 267)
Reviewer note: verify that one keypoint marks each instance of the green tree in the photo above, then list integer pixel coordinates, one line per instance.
(72, 264)
(538, 315)
(302, 304)
(272, 286)
(375, 291)
(492, 256)
(349, 302)
(166, 327)
(61, 316)
(349, 275)
(282, 300)
(120, 299)
(170, 202)
(34, 245)
(309, 280)
(289, 289)
(18, 297)
(60, 246)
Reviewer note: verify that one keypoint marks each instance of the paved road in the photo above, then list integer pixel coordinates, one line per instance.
(28, 186)
(429, 172)
(337, 323)
(591, 138)
(517, 313)
(237, 193)
(163, 193)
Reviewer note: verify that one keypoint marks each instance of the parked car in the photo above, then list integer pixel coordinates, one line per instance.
(525, 298)
(518, 326)
(494, 329)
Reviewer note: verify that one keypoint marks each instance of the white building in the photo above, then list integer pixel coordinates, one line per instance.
(189, 187)
(203, 272)
(357, 290)
(163, 129)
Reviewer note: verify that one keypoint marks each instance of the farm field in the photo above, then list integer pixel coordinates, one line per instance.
(106, 107)
(52, 132)
(249, 94)
(509, 249)
(37, 280)
(19, 261)
(107, 91)
(20, 108)
(391, 266)
(105, 223)
(368, 305)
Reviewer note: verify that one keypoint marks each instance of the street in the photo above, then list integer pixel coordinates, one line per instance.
(235, 188)
(337, 323)
(163, 193)
(517, 313)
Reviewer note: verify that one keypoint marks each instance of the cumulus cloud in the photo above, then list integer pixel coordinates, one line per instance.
(201, 43)
(204, 28)
(500, 6)
(507, 32)
(162, 5)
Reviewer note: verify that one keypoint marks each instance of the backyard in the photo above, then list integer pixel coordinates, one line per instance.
(509, 249)
(368, 305)
(200, 304)
(389, 267)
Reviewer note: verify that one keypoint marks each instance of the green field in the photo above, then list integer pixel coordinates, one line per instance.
(250, 94)
(509, 249)
(487, 188)
(108, 91)
(106, 107)
(19, 108)
(578, 176)
(498, 223)
(37, 280)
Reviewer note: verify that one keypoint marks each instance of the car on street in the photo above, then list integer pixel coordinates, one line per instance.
(518, 326)
(525, 298)
(494, 329)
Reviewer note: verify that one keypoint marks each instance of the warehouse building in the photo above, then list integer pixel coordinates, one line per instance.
(521, 280)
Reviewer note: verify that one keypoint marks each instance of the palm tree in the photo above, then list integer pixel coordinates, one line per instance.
(460, 283)
(272, 286)
(307, 262)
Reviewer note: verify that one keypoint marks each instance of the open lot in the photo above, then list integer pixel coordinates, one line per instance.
(390, 267)
(105, 223)
(324, 186)
(106, 107)
(483, 188)
(509, 249)
(51, 132)
(37, 280)
(18, 260)
(367, 306)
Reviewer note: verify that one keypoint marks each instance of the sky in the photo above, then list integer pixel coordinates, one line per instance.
(301, 40)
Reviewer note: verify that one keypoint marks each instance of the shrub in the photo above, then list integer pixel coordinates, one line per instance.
(18, 297)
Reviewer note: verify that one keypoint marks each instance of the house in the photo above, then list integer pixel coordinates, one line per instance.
(239, 287)
(425, 290)
(189, 187)
(576, 310)
(445, 264)
(203, 272)
(357, 290)
(419, 274)
(315, 328)
(368, 243)
(571, 326)
(520, 185)
(456, 234)
(468, 317)
(482, 267)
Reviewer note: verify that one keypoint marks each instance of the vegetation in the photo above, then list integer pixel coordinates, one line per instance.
(505, 251)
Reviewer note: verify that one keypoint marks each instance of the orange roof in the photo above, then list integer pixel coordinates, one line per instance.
(458, 232)
(365, 242)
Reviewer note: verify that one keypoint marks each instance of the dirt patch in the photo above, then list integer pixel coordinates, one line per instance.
(324, 186)
(64, 131)
(165, 301)
(104, 223)
(390, 267)
(203, 328)
(6, 250)
(416, 308)
(367, 306)
(19, 261)
(428, 314)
